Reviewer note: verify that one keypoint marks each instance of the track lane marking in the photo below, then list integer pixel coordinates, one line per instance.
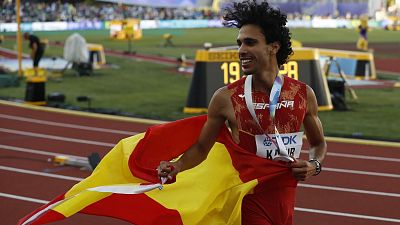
(345, 155)
(58, 124)
(388, 194)
(358, 191)
(317, 211)
(362, 142)
(31, 172)
(362, 172)
(156, 122)
(38, 152)
(8, 147)
(12, 148)
(19, 197)
(68, 112)
(333, 213)
(53, 137)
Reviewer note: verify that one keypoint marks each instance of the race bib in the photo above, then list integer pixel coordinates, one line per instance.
(267, 149)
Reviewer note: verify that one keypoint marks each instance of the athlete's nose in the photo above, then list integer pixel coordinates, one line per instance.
(243, 54)
(242, 50)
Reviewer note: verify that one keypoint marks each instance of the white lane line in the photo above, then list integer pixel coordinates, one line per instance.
(317, 211)
(364, 157)
(359, 156)
(38, 152)
(300, 185)
(7, 147)
(362, 172)
(30, 120)
(27, 199)
(81, 141)
(364, 142)
(348, 215)
(358, 191)
(62, 177)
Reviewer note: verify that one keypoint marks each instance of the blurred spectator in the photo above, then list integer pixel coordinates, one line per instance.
(362, 43)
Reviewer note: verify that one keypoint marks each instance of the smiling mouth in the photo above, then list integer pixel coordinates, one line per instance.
(246, 62)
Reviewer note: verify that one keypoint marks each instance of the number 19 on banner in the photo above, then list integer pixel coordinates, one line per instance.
(231, 71)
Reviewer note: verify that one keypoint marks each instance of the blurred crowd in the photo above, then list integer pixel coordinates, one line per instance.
(42, 11)
(64, 11)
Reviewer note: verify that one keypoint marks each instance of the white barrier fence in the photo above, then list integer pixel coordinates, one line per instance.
(173, 24)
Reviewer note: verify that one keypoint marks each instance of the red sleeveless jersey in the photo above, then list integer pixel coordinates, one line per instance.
(289, 115)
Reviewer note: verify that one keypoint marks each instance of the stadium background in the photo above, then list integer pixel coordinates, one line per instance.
(149, 81)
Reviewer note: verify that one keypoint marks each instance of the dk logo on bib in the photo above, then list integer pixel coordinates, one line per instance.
(266, 148)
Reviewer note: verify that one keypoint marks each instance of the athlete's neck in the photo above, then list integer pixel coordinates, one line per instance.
(263, 82)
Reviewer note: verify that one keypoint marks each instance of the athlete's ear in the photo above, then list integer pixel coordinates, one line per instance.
(275, 46)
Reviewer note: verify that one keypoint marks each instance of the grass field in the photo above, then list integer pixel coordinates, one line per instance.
(158, 91)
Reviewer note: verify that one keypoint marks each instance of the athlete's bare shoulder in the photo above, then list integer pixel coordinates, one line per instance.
(223, 92)
(220, 102)
(312, 105)
(220, 97)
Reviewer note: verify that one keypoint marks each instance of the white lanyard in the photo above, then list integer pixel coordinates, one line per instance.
(273, 98)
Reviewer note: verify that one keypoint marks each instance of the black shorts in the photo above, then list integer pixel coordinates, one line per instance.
(36, 58)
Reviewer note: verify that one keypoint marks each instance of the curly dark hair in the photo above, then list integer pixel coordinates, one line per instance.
(272, 22)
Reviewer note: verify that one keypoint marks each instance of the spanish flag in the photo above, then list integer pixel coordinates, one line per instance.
(125, 184)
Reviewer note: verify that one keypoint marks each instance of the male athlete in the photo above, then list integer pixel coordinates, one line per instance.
(257, 121)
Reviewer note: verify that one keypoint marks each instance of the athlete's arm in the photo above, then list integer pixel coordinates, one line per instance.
(303, 169)
(198, 152)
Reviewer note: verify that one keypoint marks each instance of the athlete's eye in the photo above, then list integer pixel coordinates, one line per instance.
(250, 41)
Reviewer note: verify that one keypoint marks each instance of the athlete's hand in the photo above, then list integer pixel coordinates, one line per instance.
(168, 169)
(302, 169)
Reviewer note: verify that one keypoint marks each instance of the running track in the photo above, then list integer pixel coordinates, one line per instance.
(360, 183)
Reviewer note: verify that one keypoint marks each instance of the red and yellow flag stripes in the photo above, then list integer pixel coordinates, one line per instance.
(210, 193)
